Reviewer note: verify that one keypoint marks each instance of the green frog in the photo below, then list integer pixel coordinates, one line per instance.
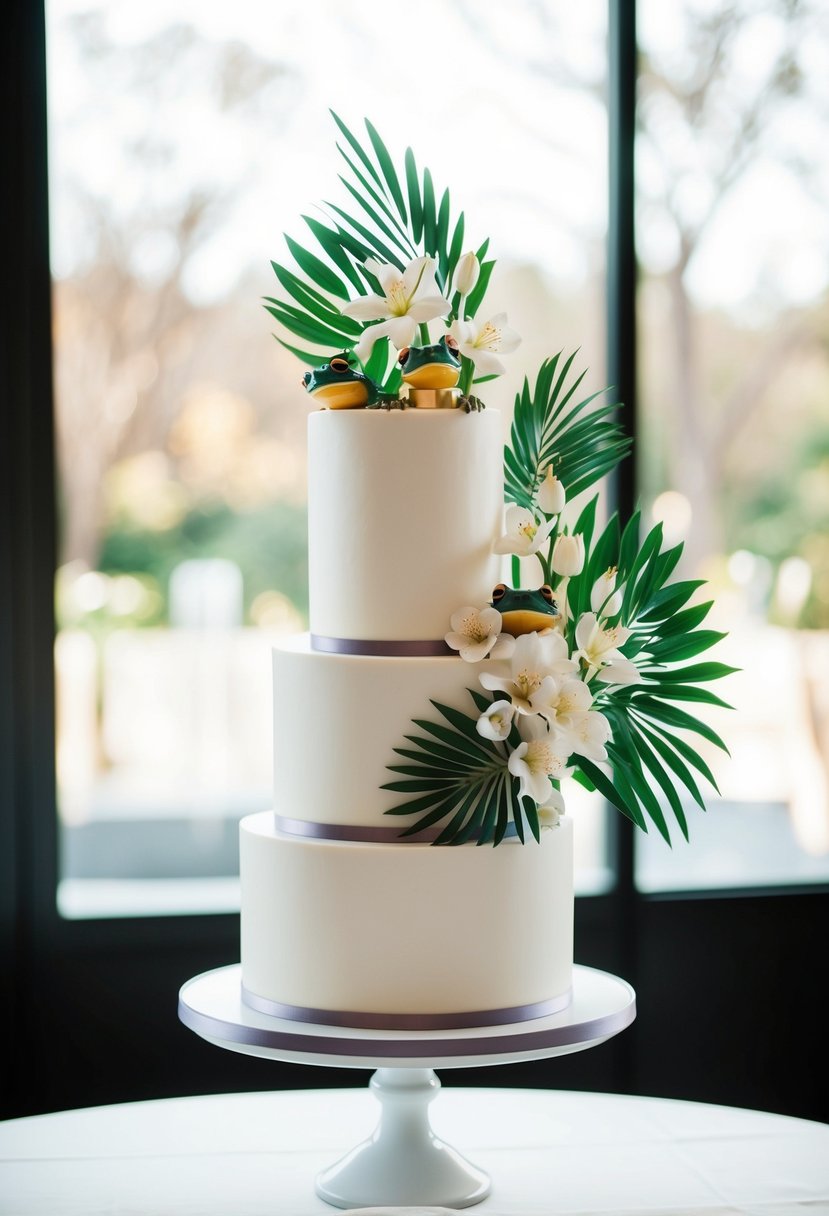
(525, 611)
(337, 385)
(436, 366)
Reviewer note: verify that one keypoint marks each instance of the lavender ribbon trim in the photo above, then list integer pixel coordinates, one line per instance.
(388, 649)
(365, 834)
(407, 1021)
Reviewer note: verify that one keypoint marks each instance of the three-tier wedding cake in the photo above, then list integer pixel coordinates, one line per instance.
(342, 920)
(416, 870)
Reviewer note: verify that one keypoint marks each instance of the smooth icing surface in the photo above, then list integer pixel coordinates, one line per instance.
(337, 719)
(403, 510)
(405, 928)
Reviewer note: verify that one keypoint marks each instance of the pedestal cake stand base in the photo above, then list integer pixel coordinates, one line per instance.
(403, 1162)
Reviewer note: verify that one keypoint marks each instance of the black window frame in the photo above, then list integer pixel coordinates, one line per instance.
(91, 1005)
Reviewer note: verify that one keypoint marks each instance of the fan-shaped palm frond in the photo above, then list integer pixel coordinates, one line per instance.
(458, 776)
(397, 217)
(552, 426)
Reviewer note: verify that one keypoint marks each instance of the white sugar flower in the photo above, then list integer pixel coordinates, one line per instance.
(535, 658)
(550, 814)
(568, 555)
(537, 760)
(476, 633)
(466, 275)
(566, 696)
(480, 342)
(496, 722)
(550, 494)
(577, 728)
(585, 733)
(411, 297)
(599, 646)
(524, 534)
(604, 598)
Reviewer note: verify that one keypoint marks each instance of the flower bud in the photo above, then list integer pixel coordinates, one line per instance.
(550, 496)
(467, 273)
(604, 598)
(568, 555)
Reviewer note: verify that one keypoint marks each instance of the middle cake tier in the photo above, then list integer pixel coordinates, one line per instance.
(337, 720)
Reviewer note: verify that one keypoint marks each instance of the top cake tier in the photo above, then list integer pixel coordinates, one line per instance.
(403, 510)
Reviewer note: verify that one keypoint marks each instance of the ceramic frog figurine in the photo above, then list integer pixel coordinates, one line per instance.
(525, 611)
(436, 366)
(337, 385)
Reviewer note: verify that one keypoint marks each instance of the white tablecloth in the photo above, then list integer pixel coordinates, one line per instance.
(549, 1153)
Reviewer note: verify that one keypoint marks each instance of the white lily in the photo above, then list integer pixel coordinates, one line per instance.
(550, 495)
(550, 814)
(566, 707)
(565, 696)
(599, 646)
(467, 273)
(525, 534)
(480, 342)
(535, 761)
(604, 598)
(411, 298)
(568, 555)
(580, 728)
(496, 722)
(536, 657)
(476, 633)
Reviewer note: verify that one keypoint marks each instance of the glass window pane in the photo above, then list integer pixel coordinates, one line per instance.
(733, 236)
(184, 140)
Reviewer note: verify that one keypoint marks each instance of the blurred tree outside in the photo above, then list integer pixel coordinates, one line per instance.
(167, 444)
(733, 113)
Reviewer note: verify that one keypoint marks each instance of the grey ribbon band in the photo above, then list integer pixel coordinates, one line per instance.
(309, 829)
(389, 649)
(407, 1021)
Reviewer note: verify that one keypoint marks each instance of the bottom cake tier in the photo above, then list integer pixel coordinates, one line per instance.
(411, 936)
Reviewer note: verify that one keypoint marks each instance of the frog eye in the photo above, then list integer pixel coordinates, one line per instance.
(339, 365)
(451, 344)
(403, 356)
(547, 592)
(499, 592)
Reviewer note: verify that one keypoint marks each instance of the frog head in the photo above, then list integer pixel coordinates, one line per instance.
(337, 385)
(525, 611)
(436, 366)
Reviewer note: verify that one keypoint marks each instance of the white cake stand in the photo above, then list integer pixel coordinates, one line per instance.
(403, 1162)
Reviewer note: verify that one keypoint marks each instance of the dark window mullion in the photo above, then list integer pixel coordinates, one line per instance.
(621, 371)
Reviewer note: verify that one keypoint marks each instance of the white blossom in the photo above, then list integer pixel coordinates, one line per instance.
(476, 634)
(550, 814)
(525, 534)
(568, 555)
(604, 598)
(411, 298)
(480, 342)
(496, 722)
(536, 657)
(536, 760)
(598, 647)
(550, 495)
(467, 272)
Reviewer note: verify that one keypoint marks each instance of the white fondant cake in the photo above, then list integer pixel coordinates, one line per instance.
(403, 506)
(343, 921)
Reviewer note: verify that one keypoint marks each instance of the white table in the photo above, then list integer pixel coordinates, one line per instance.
(550, 1153)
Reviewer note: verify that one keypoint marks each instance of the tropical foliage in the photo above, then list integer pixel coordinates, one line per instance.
(398, 218)
(626, 634)
(604, 692)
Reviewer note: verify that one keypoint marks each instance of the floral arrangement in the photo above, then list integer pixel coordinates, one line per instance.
(592, 684)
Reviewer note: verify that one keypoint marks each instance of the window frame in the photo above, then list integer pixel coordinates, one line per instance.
(109, 986)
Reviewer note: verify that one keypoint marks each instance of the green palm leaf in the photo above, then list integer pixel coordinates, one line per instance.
(454, 774)
(582, 444)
